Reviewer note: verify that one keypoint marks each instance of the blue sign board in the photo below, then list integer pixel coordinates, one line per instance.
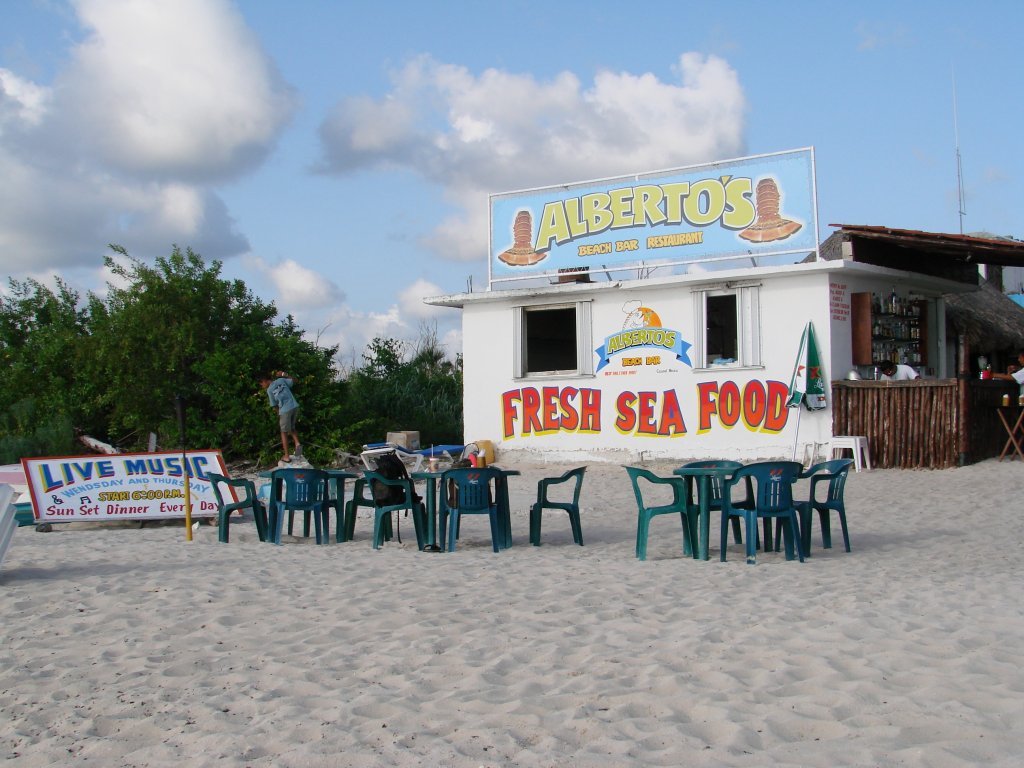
(754, 206)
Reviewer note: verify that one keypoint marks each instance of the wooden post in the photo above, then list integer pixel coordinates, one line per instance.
(963, 374)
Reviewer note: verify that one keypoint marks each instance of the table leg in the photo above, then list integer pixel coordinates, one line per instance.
(504, 512)
(704, 492)
(432, 512)
(1012, 432)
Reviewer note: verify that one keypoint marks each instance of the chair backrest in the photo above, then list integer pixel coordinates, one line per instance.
(716, 481)
(636, 474)
(473, 487)
(388, 466)
(835, 471)
(575, 475)
(387, 491)
(302, 487)
(246, 486)
(774, 481)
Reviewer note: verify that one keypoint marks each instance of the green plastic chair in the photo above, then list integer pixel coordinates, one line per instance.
(473, 496)
(304, 491)
(773, 498)
(544, 501)
(679, 505)
(382, 512)
(833, 475)
(249, 500)
(362, 497)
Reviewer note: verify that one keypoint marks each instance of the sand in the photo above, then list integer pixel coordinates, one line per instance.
(131, 647)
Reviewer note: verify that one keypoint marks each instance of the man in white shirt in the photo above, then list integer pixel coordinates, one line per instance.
(892, 372)
(1014, 372)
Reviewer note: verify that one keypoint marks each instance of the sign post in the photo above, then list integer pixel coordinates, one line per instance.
(179, 405)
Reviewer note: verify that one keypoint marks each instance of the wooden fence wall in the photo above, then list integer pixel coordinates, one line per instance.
(922, 424)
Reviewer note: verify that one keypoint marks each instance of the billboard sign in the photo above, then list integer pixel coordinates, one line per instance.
(128, 486)
(749, 207)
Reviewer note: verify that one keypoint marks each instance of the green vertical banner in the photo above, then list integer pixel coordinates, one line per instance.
(807, 385)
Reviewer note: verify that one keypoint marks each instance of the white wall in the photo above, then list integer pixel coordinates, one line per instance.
(787, 303)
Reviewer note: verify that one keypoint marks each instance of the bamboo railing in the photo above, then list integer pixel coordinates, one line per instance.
(924, 423)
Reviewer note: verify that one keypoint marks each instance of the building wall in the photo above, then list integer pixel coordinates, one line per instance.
(660, 407)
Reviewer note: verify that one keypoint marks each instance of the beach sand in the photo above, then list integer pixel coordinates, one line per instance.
(132, 647)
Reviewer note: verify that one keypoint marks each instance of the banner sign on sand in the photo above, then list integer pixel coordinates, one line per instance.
(130, 486)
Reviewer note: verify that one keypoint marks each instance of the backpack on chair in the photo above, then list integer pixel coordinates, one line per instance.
(391, 467)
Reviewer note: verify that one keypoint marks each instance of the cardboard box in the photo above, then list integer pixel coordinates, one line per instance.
(408, 440)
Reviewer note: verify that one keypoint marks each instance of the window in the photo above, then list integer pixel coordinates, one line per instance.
(728, 324)
(553, 340)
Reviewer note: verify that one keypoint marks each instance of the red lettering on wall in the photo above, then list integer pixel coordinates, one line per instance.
(707, 404)
(776, 412)
(550, 412)
(591, 410)
(672, 416)
(625, 418)
(646, 425)
(531, 408)
(730, 405)
(754, 404)
(570, 416)
(509, 413)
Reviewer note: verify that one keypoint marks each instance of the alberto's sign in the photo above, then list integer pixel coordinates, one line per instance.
(130, 486)
(756, 206)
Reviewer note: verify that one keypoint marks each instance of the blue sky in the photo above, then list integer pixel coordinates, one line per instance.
(337, 156)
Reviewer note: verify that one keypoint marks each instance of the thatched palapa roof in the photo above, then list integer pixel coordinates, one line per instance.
(989, 319)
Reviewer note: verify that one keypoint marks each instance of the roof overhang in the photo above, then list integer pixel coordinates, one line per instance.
(922, 283)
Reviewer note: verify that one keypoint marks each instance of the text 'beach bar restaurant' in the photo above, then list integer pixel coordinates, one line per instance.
(664, 315)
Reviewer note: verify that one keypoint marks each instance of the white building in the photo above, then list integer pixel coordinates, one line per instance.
(655, 328)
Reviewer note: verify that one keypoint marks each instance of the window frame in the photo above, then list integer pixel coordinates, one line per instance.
(584, 340)
(748, 325)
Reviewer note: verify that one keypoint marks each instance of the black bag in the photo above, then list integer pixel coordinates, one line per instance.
(391, 467)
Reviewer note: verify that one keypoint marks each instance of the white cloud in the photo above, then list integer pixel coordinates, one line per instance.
(155, 103)
(179, 89)
(873, 36)
(21, 100)
(300, 288)
(478, 134)
(411, 301)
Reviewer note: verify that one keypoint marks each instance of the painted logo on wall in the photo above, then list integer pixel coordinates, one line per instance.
(642, 330)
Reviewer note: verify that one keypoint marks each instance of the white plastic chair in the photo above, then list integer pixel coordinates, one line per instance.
(411, 459)
(856, 443)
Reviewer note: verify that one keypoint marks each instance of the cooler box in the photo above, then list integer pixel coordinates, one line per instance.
(408, 440)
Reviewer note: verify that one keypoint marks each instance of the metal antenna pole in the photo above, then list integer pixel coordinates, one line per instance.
(961, 206)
